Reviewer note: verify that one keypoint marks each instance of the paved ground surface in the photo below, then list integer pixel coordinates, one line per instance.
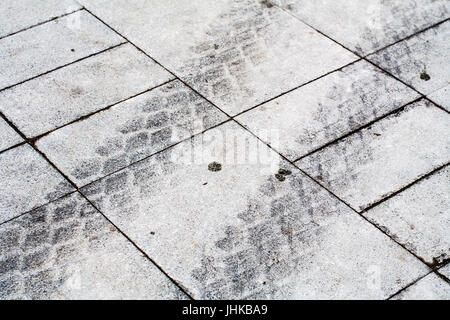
(166, 149)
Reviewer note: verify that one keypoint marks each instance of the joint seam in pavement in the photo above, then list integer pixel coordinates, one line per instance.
(62, 66)
(422, 96)
(36, 138)
(341, 200)
(32, 141)
(372, 63)
(184, 290)
(40, 23)
(367, 125)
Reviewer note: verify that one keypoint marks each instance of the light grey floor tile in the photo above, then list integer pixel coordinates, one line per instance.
(51, 45)
(313, 115)
(442, 97)
(8, 136)
(373, 163)
(18, 15)
(68, 250)
(27, 181)
(431, 287)
(241, 232)
(129, 131)
(236, 53)
(419, 217)
(366, 26)
(421, 61)
(445, 271)
(55, 99)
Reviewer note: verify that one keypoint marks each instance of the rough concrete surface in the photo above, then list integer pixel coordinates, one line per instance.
(308, 118)
(445, 271)
(8, 137)
(239, 149)
(129, 131)
(236, 53)
(27, 181)
(442, 97)
(421, 61)
(377, 161)
(68, 250)
(431, 287)
(242, 233)
(16, 15)
(367, 26)
(419, 217)
(59, 97)
(25, 54)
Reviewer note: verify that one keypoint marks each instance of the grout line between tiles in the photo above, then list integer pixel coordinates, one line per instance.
(37, 207)
(62, 66)
(334, 195)
(373, 52)
(233, 119)
(40, 23)
(31, 141)
(372, 63)
(77, 189)
(420, 178)
(13, 146)
(365, 126)
(179, 286)
(297, 87)
(157, 62)
(434, 271)
(422, 96)
(409, 37)
(440, 274)
(157, 152)
(35, 138)
(409, 285)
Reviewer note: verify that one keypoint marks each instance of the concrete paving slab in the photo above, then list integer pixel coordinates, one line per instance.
(366, 26)
(27, 181)
(25, 54)
(431, 287)
(68, 250)
(421, 61)
(445, 271)
(18, 15)
(236, 53)
(57, 98)
(373, 163)
(419, 217)
(221, 213)
(324, 110)
(129, 131)
(441, 97)
(8, 136)
(239, 231)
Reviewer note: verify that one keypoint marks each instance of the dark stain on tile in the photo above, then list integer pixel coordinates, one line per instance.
(266, 3)
(284, 172)
(214, 166)
(171, 113)
(425, 76)
(263, 250)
